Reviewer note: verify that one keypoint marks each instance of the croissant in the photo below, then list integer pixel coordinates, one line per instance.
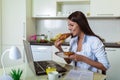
(64, 36)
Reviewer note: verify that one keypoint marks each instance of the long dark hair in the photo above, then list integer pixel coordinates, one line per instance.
(81, 20)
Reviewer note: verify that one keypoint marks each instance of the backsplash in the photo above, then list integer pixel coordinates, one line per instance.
(108, 29)
(53, 25)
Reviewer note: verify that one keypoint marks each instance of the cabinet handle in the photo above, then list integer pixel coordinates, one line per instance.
(105, 14)
(24, 30)
(110, 50)
(43, 15)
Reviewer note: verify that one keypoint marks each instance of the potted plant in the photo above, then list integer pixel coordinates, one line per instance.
(16, 74)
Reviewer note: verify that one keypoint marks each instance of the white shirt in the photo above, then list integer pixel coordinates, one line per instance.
(93, 48)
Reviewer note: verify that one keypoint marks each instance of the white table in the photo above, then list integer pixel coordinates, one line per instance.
(29, 75)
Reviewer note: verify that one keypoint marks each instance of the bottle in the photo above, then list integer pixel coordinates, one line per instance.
(50, 68)
(50, 35)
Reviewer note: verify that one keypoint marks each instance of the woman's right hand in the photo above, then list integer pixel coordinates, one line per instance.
(58, 44)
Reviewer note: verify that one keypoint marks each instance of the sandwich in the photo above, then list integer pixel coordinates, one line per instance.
(64, 36)
(68, 53)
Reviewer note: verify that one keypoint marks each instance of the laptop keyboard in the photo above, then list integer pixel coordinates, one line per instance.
(60, 68)
(42, 65)
(46, 64)
(38, 69)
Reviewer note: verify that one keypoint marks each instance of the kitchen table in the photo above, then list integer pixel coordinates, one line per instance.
(29, 75)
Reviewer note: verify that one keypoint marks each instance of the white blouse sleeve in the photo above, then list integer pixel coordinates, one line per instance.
(99, 50)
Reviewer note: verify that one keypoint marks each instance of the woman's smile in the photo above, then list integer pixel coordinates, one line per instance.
(73, 27)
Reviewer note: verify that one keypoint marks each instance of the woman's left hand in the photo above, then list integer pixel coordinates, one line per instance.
(76, 57)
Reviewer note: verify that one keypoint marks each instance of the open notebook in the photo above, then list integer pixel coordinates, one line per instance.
(39, 67)
(79, 74)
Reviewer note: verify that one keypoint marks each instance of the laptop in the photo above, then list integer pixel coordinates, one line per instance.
(39, 67)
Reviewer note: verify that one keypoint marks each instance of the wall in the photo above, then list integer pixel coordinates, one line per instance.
(109, 29)
(53, 25)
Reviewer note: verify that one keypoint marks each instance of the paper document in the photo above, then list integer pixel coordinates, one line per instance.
(79, 75)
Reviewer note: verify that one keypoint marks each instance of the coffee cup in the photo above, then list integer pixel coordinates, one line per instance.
(54, 75)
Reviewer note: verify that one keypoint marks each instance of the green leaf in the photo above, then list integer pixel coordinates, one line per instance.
(16, 74)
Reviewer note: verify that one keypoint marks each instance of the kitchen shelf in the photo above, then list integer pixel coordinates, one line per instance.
(103, 17)
(66, 7)
(107, 44)
(51, 17)
(89, 17)
(111, 45)
(73, 0)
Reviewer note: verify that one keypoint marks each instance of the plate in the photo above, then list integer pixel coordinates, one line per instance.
(61, 54)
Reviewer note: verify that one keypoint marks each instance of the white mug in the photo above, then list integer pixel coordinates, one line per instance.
(54, 75)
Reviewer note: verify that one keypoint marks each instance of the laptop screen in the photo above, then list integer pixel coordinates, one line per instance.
(29, 55)
(41, 52)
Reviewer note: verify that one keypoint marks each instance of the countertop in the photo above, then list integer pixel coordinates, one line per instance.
(49, 43)
(28, 74)
(107, 44)
(112, 45)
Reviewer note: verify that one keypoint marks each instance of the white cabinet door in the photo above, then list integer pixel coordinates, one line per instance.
(13, 21)
(57, 58)
(105, 8)
(0, 28)
(44, 8)
(16, 23)
(0, 25)
(114, 59)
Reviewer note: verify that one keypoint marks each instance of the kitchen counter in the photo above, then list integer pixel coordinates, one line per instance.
(110, 45)
(48, 43)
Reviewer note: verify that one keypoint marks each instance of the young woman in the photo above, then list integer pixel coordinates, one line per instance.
(88, 47)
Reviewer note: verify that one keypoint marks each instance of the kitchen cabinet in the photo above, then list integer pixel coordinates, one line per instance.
(114, 58)
(105, 8)
(58, 8)
(66, 7)
(17, 24)
(57, 58)
(63, 8)
(0, 29)
(0, 25)
(44, 8)
(90, 7)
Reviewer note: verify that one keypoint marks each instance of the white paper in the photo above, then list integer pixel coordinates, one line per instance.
(79, 75)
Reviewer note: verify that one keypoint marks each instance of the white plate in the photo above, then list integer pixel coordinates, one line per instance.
(61, 54)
